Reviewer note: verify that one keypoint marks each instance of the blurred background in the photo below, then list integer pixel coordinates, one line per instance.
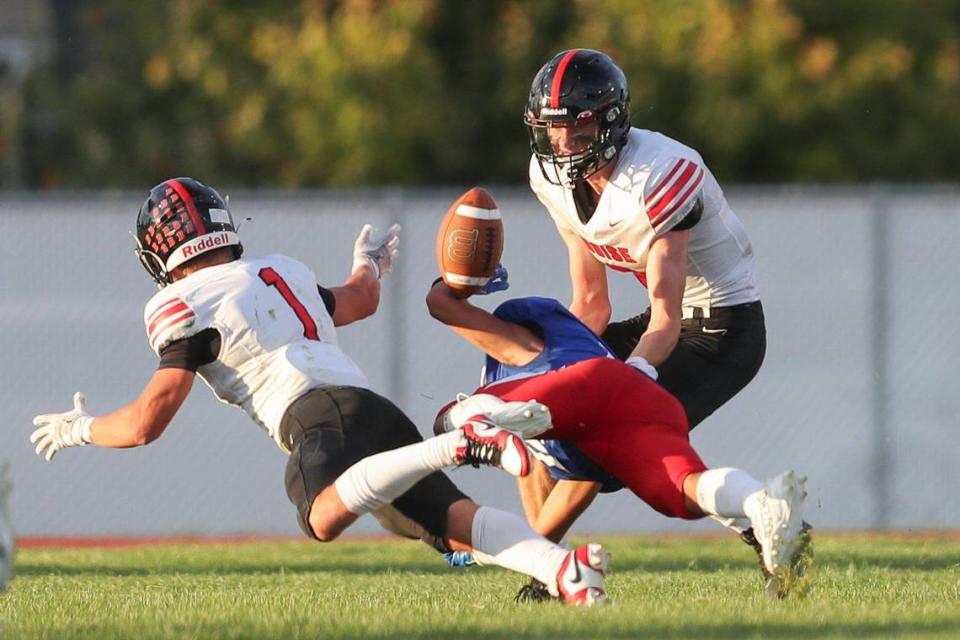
(835, 132)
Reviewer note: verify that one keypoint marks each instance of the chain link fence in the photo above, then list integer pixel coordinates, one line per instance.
(858, 390)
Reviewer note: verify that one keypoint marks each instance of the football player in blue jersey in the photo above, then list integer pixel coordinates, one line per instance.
(611, 427)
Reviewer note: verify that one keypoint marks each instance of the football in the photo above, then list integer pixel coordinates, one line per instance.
(470, 242)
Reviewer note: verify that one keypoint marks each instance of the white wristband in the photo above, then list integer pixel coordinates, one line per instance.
(640, 364)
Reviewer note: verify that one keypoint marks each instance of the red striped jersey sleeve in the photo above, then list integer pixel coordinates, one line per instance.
(671, 191)
(167, 320)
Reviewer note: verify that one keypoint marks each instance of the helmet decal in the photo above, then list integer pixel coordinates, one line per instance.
(187, 200)
(558, 78)
(180, 220)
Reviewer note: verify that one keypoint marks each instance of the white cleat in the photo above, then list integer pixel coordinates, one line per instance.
(466, 407)
(580, 581)
(487, 444)
(527, 419)
(6, 532)
(777, 525)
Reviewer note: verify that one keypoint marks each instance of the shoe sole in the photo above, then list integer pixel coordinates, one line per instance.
(793, 542)
(526, 428)
(797, 577)
(599, 559)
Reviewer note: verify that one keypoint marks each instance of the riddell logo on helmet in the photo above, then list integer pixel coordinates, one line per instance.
(204, 243)
(553, 111)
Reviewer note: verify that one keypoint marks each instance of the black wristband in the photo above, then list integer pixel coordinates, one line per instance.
(436, 282)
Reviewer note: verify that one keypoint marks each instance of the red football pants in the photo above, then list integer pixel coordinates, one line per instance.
(620, 419)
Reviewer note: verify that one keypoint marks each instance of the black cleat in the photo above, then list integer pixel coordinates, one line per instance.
(534, 591)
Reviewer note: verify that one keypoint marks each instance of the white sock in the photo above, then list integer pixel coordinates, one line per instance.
(378, 480)
(504, 539)
(724, 492)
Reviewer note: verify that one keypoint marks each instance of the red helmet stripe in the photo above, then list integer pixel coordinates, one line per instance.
(191, 209)
(558, 78)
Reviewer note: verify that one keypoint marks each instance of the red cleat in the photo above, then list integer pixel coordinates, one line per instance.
(490, 445)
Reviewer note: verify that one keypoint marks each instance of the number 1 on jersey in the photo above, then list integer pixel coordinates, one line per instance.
(274, 279)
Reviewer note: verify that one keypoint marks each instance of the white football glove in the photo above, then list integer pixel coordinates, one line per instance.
(379, 254)
(526, 419)
(640, 364)
(61, 430)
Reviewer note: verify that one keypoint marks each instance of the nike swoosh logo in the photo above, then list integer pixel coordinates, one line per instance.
(613, 224)
(705, 330)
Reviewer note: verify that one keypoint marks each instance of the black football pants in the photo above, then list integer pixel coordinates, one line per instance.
(714, 358)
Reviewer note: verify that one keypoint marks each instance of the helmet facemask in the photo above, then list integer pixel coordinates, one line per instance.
(153, 264)
(576, 149)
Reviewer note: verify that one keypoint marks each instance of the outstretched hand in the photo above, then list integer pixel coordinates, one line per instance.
(58, 431)
(379, 254)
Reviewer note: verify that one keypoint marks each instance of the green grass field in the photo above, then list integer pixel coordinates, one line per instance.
(866, 587)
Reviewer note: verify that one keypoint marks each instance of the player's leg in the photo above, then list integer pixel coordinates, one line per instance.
(435, 504)
(353, 451)
(380, 479)
(714, 359)
(534, 490)
(656, 462)
(528, 419)
(775, 511)
(651, 459)
(407, 477)
(504, 539)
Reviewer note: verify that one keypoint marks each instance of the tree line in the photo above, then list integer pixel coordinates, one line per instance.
(419, 92)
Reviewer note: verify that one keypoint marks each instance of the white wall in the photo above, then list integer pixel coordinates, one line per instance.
(858, 389)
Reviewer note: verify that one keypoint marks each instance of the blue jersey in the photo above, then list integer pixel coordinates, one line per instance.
(566, 340)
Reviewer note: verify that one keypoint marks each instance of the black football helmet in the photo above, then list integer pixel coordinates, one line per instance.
(180, 220)
(578, 115)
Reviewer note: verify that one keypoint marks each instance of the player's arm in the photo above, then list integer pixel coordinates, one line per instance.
(566, 502)
(588, 277)
(143, 420)
(666, 280)
(136, 424)
(359, 296)
(510, 343)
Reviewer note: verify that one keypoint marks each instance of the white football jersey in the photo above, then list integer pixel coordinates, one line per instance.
(654, 185)
(277, 339)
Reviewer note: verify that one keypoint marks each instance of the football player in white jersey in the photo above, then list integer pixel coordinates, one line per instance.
(640, 202)
(260, 333)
